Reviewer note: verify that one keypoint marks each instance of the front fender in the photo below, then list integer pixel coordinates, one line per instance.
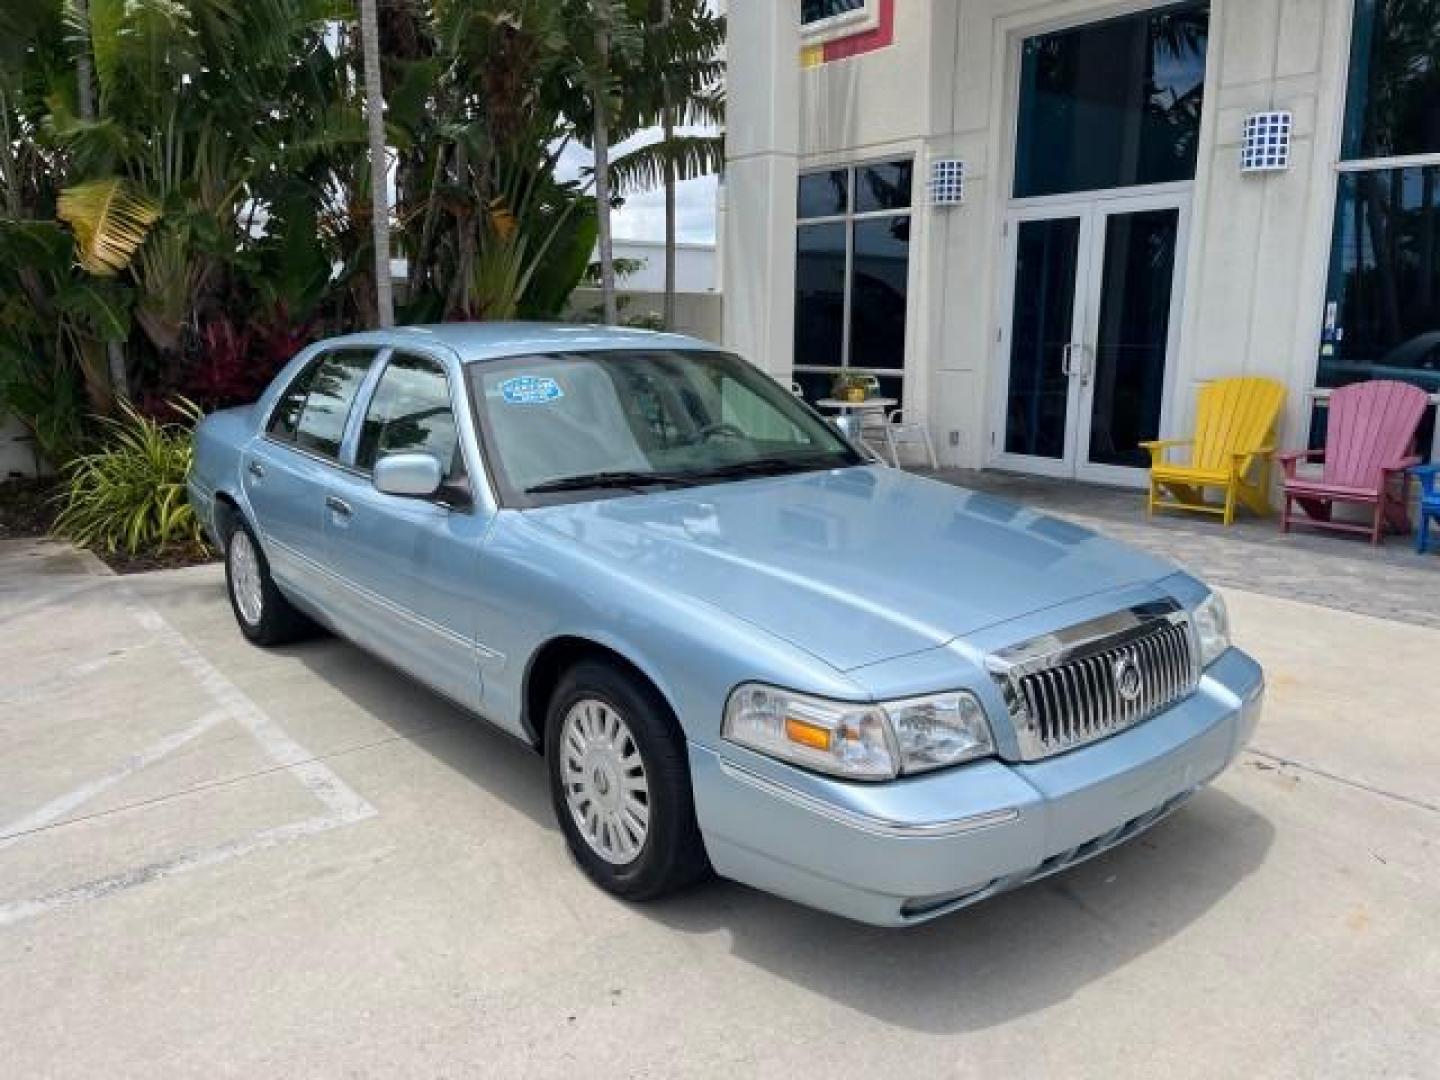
(546, 588)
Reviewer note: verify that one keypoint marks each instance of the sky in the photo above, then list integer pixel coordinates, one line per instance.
(643, 216)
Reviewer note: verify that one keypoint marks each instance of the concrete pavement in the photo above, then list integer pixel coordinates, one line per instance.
(216, 860)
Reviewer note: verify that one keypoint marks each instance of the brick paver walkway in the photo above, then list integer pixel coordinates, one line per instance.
(1390, 582)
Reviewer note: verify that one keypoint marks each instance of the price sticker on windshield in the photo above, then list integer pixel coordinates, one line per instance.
(530, 390)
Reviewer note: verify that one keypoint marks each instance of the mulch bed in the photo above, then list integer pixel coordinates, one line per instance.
(177, 559)
(28, 509)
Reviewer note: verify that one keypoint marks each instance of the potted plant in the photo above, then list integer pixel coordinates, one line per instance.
(850, 387)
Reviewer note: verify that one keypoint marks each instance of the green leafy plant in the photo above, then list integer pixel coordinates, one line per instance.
(129, 495)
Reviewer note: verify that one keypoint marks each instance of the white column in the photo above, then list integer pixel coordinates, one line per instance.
(762, 143)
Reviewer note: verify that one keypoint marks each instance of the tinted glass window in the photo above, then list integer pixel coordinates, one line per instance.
(824, 194)
(883, 187)
(877, 305)
(1047, 254)
(815, 10)
(820, 295)
(332, 391)
(410, 413)
(1393, 105)
(286, 417)
(1382, 313)
(1112, 104)
(1133, 335)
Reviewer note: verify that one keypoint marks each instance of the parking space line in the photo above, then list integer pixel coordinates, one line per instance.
(57, 808)
(342, 804)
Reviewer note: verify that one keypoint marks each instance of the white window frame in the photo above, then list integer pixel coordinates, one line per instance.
(848, 220)
(846, 24)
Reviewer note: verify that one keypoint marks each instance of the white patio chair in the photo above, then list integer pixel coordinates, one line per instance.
(900, 431)
(852, 427)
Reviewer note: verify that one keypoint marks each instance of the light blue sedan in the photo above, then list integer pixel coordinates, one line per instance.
(740, 645)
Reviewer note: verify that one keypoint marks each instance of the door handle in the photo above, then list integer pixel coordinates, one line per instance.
(338, 506)
(255, 469)
(1067, 360)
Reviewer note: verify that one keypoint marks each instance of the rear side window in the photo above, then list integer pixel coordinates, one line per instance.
(330, 394)
(286, 417)
(410, 413)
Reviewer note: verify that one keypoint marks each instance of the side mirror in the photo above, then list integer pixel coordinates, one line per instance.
(417, 476)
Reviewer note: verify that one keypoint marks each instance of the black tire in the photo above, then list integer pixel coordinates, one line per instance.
(672, 854)
(279, 623)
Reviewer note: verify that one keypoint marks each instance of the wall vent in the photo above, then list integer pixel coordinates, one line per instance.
(1267, 142)
(947, 182)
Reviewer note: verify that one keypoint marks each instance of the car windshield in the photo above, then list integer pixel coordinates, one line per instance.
(637, 420)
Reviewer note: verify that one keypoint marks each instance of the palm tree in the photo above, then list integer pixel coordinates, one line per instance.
(677, 81)
(667, 135)
(379, 192)
(604, 17)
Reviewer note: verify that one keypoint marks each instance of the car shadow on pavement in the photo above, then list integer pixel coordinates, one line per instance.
(496, 761)
(1008, 957)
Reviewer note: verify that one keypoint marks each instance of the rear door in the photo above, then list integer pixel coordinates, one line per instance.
(410, 568)
(287, 471)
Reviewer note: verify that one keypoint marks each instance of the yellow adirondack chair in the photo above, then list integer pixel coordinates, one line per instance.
(1234, 438)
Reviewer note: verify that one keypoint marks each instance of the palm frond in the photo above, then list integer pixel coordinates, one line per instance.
(110, 220)
(690, 156)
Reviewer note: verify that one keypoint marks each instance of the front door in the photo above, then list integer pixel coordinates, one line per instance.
(409, 580)
(1093, 321)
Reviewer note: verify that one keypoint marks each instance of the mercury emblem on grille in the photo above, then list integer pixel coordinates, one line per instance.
(1129, 682)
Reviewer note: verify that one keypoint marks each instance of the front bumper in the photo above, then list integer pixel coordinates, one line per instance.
(904, 852)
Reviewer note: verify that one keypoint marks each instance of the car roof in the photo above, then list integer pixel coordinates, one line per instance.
(476, 341)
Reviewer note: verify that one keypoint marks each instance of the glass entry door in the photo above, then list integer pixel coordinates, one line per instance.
(1093, 319)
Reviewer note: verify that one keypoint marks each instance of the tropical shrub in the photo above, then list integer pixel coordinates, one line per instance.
(185, 187)
(129, 495)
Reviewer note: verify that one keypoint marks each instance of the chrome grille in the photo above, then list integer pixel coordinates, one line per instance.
(1089, 682)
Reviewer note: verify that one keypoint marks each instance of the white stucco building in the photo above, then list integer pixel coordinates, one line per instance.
(1110, 252)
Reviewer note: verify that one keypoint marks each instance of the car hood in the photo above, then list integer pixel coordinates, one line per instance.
(856, 565)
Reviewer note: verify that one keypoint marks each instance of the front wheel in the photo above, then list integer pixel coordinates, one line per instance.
(264, 615)
(621, 785)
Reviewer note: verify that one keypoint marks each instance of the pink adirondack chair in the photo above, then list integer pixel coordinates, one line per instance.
(1369, 446)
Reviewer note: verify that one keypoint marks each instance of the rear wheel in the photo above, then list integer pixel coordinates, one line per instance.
(264, 615)
(620, 783)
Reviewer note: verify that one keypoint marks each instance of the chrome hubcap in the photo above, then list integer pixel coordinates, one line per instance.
(245, 577)
(604, 778)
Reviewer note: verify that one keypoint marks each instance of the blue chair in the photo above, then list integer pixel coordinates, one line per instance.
(1429, 504)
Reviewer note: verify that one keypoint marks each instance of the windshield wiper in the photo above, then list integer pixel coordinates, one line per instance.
(774, 466)
(611, 479)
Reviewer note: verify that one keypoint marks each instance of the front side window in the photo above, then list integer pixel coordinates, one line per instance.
(410, 412)
(852, 272)
(331, 393)
(1112, 104)
(585, 422)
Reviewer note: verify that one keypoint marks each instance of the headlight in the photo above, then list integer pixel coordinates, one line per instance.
(1212, 628)
(859, 741)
